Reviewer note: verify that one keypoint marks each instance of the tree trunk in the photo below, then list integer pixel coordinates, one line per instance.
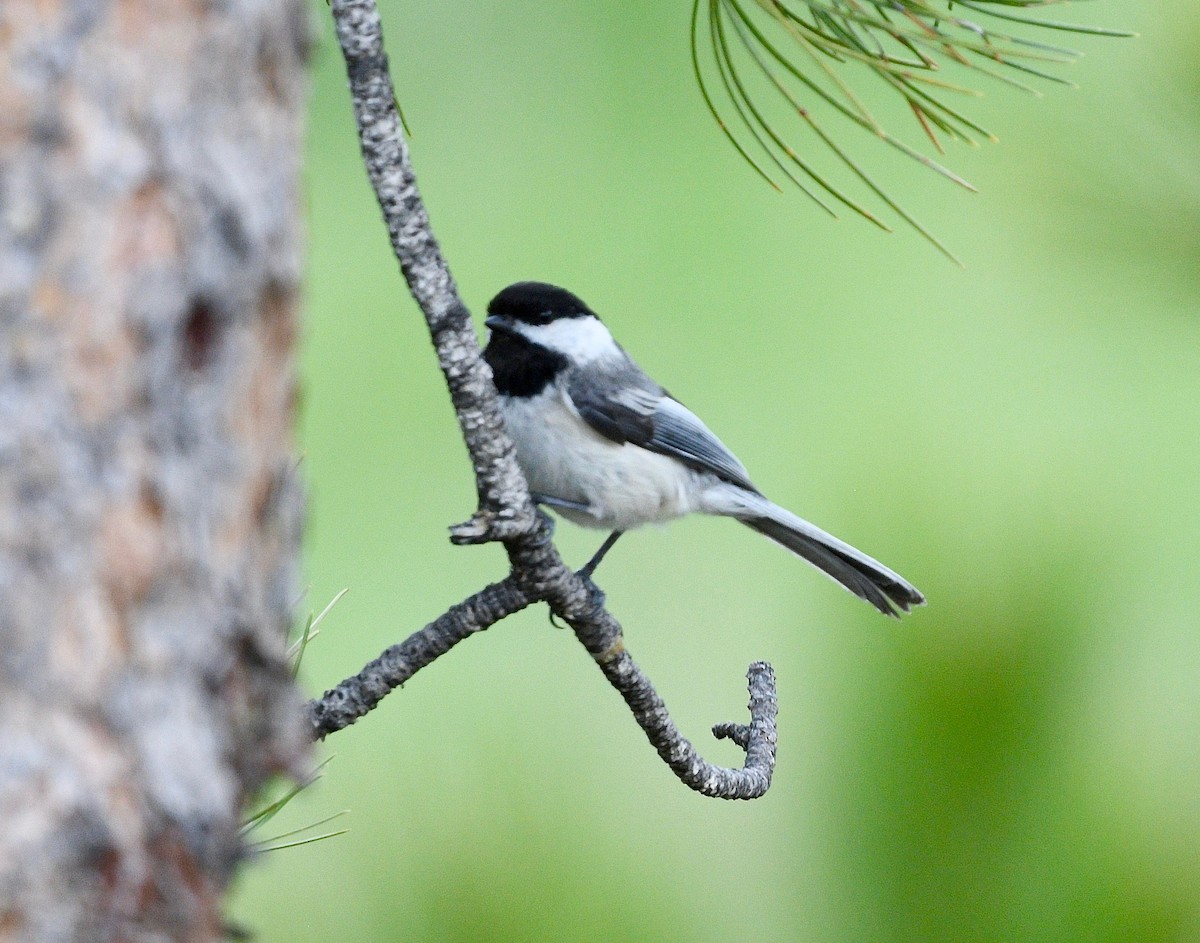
(149, 506)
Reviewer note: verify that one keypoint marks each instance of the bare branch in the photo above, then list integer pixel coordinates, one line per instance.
(506, 513)
(341, 706)
(757, 739)
(503, 497)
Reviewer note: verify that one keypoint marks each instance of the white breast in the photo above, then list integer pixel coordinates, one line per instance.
(623, 485)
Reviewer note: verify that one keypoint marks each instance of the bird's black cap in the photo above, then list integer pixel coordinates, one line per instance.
(537, 303)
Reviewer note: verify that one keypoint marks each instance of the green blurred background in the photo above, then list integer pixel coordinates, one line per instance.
(1020, 760)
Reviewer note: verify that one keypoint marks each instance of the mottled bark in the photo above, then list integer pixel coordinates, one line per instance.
(149, 508)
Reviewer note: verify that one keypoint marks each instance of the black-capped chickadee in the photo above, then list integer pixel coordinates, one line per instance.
(605, 446)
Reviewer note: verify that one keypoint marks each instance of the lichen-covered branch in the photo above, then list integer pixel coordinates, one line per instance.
(502, 490)
(505, 512)
(341, 706)
(757, 739)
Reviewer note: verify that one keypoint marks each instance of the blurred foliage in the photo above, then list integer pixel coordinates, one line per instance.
(1017, 761)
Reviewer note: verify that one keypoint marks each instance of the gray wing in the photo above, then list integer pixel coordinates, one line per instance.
(636, 410)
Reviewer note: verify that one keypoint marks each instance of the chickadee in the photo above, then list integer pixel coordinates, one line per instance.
(605, 446)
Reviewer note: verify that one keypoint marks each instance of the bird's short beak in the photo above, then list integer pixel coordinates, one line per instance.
(498, 322)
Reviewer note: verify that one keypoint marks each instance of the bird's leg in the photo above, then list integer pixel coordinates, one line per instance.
(590, 567)
(541, 501)
(552, 502)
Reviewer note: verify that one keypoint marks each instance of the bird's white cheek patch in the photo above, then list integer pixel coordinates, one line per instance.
(581, 340)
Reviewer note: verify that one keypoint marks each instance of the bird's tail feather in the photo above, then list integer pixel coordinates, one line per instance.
(864, 576)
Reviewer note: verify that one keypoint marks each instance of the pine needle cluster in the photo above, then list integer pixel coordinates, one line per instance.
(807, 54)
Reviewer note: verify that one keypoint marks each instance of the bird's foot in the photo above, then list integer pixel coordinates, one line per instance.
(596, 599)
(596, 596)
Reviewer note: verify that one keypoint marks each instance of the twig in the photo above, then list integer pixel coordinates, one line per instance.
(341, 706)
(757, 739)
(506, 512)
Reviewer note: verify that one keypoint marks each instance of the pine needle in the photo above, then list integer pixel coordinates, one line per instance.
(311, 631)
(303, 841)
(269, 811)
